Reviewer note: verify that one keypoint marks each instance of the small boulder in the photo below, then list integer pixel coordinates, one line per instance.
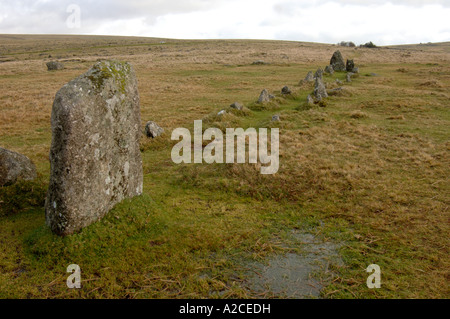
(309, 77)
(276, 118)
(237, 106)
(337, 61)
(285, 90)
(265, 96)
(329, 69)
(309, 100)
(221, 112)
(15, 166)
(54, 65)
(339, 82)
(259, 62)
(153, 130)
(349, 77)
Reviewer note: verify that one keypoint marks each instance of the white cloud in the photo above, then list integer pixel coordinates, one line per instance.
(383, 22)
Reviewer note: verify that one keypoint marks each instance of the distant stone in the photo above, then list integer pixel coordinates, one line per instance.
(95, 159)
(222, 112)
(318, 74)
(54, 65)
(329, 69)
(337, 61)
(320, 92)
(237, 106)
(350, 66)
(355, 70)
(265, 96)
(309, 100)
(309, 77)
(153, 130)
(285, 90)
(275, 118)
(349, 77)
(14, 167)
(339, 82)
(259, 62)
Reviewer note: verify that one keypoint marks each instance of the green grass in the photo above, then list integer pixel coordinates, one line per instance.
(368, 172)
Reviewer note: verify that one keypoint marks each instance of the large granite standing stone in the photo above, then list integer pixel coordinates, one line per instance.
(15, 166)
(337, 61)
(94, 156)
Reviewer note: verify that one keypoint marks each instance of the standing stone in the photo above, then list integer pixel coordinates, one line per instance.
(320, 91)
(337, 61)
(309, 100)
(15, 166)
(318, 74)
(309, 77)
(350, 66)
(153, 130)
(265, 96)
(349, 77)
(286, 90)
(54, 65)
(94, 156)
(236, 105)
(329, 69)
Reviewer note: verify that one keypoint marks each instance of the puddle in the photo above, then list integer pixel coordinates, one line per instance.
(291, 275)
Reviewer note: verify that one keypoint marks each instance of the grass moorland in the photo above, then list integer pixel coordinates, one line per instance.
(368, 172)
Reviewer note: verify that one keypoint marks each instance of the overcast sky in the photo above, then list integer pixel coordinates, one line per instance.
(327, 21)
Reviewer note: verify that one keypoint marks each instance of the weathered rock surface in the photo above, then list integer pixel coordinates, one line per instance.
(329, 69)
(153, 130)
(309, 77)
(265, 96)
(94, 155)
(54, 65)
(337, 61)
(349, 77)
(350, 66)
(15, 166)
(309, 100)
(237, 106)
(320, 91)
(276, 118)
(286, 90)
(318, 74)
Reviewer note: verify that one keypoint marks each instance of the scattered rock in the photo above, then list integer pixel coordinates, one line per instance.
(349, 77)
(153, 130)
(320, 91)
(259, 62)
(276, 118)
(285, 90)
(95, 158)
(329, 69)
(337, 61)
(318, 74)
(237, 106)
(222, 112)
(54, 65)
(15, 166)
(309, 100)
(309, 77)
(350, 65)
(265, 96)
(339, 82)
